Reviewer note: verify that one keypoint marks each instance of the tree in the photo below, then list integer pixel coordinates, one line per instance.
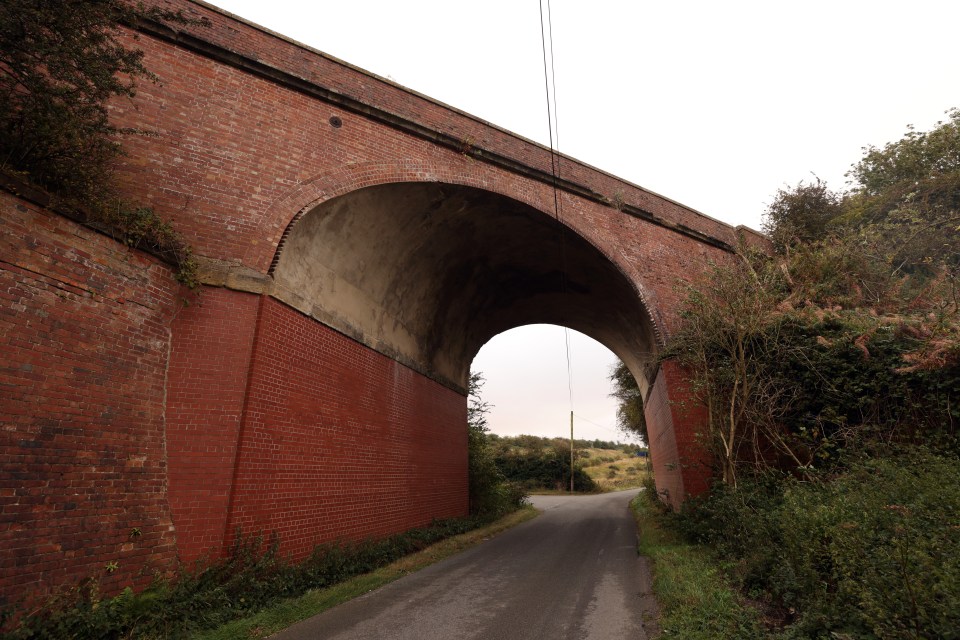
(903, 205)
(803, 213)
(490, 494)
(630, 417)
(915, 159)
(61, 62)
(730, 330)
(477, 407)
(907, 194)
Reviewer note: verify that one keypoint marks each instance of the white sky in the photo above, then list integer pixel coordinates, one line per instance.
(713, 104)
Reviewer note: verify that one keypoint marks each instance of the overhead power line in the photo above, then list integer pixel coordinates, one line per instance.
(550, 82)
(550, 85)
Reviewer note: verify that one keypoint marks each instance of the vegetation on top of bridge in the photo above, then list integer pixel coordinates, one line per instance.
(61, 65)
(831, 376)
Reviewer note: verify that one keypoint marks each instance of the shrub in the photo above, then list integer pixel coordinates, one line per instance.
(546, 468)
(871, 553)
(878, 549)
(62, 63)
(142, 228)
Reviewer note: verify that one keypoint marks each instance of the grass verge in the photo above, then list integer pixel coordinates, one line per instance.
(696, 600)
(280, 616)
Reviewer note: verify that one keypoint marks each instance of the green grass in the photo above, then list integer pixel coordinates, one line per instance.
(696, 600)
(280, 616)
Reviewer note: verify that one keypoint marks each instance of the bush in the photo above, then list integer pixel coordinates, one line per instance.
(142, 228)
(546, 468)
(850, 388)
(878, 549)
(872, 553)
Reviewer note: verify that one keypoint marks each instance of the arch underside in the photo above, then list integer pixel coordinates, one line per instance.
(426, 273)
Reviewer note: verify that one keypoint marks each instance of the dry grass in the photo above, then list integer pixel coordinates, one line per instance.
(615, 470)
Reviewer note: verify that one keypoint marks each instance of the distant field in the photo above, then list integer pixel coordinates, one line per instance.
(542, 465)
(614, 470)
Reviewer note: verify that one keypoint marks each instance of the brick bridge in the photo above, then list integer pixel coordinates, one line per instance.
(360, 243)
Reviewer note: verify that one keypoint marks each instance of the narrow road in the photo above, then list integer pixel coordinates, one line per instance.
(571, 573)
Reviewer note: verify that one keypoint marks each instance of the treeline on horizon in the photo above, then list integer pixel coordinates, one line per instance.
(533, 442)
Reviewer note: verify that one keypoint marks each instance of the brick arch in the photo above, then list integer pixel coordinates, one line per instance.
(284, 214)
(483, 210)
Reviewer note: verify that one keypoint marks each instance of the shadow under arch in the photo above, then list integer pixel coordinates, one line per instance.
(427, 272)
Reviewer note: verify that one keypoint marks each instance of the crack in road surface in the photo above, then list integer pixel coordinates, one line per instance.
(571, 573)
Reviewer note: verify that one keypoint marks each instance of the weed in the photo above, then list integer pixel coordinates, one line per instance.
(142, 228)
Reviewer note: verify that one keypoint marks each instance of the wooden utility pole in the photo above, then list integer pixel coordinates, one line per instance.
(571, 451)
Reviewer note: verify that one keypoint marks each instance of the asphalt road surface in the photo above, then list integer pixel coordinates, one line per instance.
(571, 573)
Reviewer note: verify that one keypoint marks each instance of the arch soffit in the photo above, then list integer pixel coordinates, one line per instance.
(278, 221)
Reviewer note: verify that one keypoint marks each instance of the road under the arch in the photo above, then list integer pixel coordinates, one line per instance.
(572, 572)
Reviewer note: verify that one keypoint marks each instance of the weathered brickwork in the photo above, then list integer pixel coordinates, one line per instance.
(681, 463)
(84, 334)
(290, 428)
(239, 156)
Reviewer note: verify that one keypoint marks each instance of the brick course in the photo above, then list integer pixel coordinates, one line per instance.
(84, 333)
(279, 424)
(340, 442)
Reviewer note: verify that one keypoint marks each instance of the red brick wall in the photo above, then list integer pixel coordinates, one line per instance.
(335, 440)
(339, 441)
(83, 345)
(676, 424)
(287, 139)
(209, 369)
